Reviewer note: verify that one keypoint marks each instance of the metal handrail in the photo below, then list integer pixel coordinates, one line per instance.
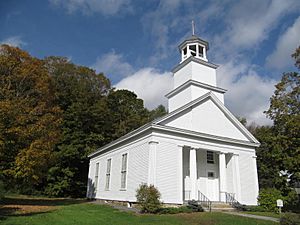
(230, 198)
(204, 201)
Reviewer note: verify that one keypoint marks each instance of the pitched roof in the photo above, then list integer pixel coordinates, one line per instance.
(220, 105)
(156, 125)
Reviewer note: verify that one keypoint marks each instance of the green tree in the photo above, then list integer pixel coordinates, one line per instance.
(285, 112)
(269, 159)
(81, 93)
(127, 112)
(159, 111)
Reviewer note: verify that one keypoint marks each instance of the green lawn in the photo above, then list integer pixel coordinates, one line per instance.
(270, 214)
(70, 212)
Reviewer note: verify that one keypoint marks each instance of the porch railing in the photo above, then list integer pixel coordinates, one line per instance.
(230, 199)
(204, 201)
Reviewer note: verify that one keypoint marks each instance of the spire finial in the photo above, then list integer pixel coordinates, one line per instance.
(193, 27)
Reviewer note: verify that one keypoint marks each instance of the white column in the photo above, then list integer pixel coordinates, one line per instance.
(193, 173)
(180, 171)
(204, 53)
(152, 163)
(222, 176)
(237, 178)
(197, 51)
(255, 177)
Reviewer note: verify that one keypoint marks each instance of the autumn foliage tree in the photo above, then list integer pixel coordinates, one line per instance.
(29, 120)
(53, 114)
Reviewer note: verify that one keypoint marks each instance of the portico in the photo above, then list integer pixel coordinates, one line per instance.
(209, 173)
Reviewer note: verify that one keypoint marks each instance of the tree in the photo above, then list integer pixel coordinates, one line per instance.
(29, 120)
(127, 112)
(268, 159)
(285, 112)
(159, 111)
(81, 93)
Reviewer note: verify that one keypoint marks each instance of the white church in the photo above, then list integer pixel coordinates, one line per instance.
(199, 150)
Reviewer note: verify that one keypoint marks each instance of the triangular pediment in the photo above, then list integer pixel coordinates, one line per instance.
(209, 116)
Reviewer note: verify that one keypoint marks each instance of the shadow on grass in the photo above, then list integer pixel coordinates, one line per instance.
(7, 212)
(42, 201)
(28, 206)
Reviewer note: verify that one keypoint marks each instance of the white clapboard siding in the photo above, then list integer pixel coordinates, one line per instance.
(137, 172)
(248, 179)
(168, 173)
(229, 174)
(206, 118)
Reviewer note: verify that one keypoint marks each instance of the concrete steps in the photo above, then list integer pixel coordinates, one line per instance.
(221, 206)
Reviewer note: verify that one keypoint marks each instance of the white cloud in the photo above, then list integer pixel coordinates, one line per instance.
(113, 65)
(248, 93)
(251, 21)
(286, 45)
(149, 85)
(15, 41)
(105, 7)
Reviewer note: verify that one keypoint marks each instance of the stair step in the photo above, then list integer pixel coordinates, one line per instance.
(220, 205)
(214, 209)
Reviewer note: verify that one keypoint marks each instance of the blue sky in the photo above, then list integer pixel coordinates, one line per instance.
(135, 42)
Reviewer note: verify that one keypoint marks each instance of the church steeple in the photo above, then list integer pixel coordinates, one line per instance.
(193, 47)
(194, 76)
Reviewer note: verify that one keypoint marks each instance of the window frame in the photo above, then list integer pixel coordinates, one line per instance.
(208, 159)
(124, 169)
(108, 174)
(96, 176)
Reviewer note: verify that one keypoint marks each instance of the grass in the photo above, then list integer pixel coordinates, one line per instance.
(270, 214)
(79, 212)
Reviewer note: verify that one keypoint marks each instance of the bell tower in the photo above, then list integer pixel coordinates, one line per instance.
(194, 76)
(194, 47)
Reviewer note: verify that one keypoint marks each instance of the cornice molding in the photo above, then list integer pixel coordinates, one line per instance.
(193, 59)
(196, 83)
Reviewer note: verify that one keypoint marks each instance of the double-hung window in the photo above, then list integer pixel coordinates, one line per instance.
(108, 169)
(124, 171)
(210, 157)
(96, 176)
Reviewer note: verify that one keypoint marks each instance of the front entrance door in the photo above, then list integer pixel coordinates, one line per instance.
(212, 185)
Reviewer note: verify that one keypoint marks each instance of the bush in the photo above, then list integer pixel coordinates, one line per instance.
(148, 198)
(291, 201)
(290, 219)
(255, 208)
(267, 199)
(2, 190)
(173, 210)
(195, 206)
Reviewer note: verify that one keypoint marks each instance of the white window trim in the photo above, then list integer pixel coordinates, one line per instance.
(124, 189)
(97, 176)
(107, 187)
(214, 158)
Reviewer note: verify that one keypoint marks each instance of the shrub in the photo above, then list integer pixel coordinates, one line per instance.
(255, 208)
(173, 210)
(2, 191)
(267, 199)
(291, 201)
(148, 198)
(195, 206)
(290, 219)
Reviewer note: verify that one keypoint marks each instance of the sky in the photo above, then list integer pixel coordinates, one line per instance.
(135, 43)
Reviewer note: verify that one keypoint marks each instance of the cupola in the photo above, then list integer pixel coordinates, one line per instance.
(193, 47)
